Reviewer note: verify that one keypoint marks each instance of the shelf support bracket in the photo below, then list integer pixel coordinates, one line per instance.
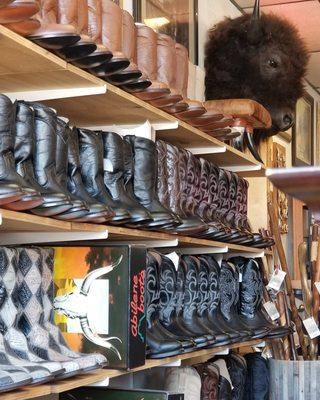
(104, 383)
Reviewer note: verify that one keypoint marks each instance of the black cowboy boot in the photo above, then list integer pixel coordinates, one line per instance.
(44, 162)
(237, 368)
(222, 338)
(192, 299)
(174, 322)
(257, 382)
(145, 180)
(97, 212)
(214, 313)
(167, 287)
(24, 152)
(113, 156)
(158, 346)
(251, 298)
(79, 208)
(13, 186)
(229, 294)
(91, 161)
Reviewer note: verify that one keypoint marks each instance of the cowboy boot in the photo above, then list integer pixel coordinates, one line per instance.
(52, 35)
(257, 382)
(146, 59)
(132, 73)
(214, 314)
(79, 208)
(225, 383)
(75, 13)
(87, 362)
(209, 374)
(192, 299)
(13, 378)
(237, 368)
(14, 348)
(110, 15)
(185, 380)
(24, 153)
(222, 338)
(44, 161)
(113, 156)
(31, 319)
(158, 346)
(97, 212)
(145, 180)
(91, 161)
(251, 298)
(11, 179)
(229, 284)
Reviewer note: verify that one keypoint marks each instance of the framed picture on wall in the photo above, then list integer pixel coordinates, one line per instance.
(317, 134)
(302, 145)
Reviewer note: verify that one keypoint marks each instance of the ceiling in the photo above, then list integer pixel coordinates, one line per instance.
(305, 15)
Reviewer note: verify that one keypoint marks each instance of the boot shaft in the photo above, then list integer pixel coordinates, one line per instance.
(192, 297)
(7, 124)
(162, 186)
(24, 133)
(152, 288)
(172, 158)
(213, 283)
(167, 288)
(62, 133)
(229, 290)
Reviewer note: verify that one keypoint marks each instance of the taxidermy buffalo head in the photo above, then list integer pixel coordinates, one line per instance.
(259, 57)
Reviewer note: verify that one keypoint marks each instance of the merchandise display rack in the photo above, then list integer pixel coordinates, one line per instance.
(32, 73)
(94, 377)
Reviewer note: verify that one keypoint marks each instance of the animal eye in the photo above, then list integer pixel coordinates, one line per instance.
(272, 63)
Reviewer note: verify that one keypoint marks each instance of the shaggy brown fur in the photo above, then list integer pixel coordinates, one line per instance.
(270, 71)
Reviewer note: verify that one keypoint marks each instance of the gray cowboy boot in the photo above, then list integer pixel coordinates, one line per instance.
(14, 349)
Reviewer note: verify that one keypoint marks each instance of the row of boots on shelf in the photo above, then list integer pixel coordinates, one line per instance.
(230, 377)
(198, 304)
(32, 348)
(89, 176)
(98, 36)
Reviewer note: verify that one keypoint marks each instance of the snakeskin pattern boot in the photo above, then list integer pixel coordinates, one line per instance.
(14, 348)
(43, 335)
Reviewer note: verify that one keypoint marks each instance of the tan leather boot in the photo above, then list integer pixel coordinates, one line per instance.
(52, 35)
(18, 16)
(75, 12)
(146, 59)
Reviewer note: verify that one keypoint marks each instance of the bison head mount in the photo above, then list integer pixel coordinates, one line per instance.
(261, 57)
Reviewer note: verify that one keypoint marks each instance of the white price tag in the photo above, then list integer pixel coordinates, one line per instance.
(107, 165)
(240, 277)
(271, 310)
(317, 285)
(311, 327)
(276, 280)
(175, 258)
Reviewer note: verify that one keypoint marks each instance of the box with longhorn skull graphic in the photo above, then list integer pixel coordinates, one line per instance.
(99, 301)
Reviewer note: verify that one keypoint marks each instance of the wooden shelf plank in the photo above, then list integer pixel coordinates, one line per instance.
(93, 377)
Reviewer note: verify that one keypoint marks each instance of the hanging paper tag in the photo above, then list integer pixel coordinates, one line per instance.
(317, 285)
(271, 310)
(240, 277)
(276, 280)
(311, 327)
(107, 165)
(174, 257)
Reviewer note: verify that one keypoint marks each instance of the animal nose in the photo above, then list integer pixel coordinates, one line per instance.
(288, 120)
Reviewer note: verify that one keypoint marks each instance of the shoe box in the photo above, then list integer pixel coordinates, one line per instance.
(101, 393)
(100, 301)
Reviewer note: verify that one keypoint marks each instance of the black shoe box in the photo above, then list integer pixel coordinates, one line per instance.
(101, 393)
(96, 306)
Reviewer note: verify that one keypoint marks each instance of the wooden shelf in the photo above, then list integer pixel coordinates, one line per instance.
(93, 377)
(29, 72)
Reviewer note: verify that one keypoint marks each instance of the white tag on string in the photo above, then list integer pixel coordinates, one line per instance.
(276, 280)
(311, 327)
(317, 285)
(271, 310)
(107, 165)
(240, 277)
(174, 257)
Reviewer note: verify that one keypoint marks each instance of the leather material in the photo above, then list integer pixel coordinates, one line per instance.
(145, 179)
(24, 28)
(113, 155)
(257, 382)
(44, 160)
(192, 300)
(225, 389)
(158, 345)
(19, 10)
(237, 368)
(209, 374)
(98, 212)
(184, 380)
(91, 159)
